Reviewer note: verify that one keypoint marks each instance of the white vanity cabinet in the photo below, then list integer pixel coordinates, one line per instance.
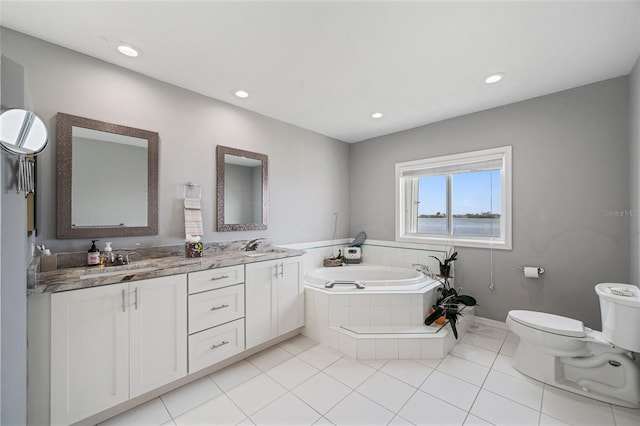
(216, 315)
(274, 299)
(115, 342)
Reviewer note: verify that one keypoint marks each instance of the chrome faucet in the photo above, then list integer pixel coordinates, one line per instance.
(253, 244)
(121, 259)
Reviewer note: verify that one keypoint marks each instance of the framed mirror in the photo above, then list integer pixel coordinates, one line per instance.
(107, 179)
(241, 184)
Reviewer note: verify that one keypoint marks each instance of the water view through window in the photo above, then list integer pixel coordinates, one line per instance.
(475, 204)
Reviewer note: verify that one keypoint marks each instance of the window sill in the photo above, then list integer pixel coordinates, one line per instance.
(456, 241)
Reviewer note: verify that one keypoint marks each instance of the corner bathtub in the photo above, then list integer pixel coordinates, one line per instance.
(368, 279)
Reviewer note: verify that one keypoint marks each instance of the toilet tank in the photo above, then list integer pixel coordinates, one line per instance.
(620, 314)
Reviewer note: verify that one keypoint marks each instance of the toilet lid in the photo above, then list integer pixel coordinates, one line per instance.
(549, 323)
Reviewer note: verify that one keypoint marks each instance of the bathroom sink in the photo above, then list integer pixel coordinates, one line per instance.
(264, 253)
(135, 268)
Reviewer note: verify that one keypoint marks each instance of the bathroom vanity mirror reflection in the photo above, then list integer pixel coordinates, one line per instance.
(241, 189)
(107, 179)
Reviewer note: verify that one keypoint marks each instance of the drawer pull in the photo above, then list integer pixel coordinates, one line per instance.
(215, 308)
(221, 277)
(224, 342)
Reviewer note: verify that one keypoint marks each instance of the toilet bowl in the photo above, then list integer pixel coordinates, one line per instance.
(564, 353)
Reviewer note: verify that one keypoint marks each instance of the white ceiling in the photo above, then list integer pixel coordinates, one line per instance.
(327, 65)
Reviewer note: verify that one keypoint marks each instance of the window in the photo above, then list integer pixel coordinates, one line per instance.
(461, 199)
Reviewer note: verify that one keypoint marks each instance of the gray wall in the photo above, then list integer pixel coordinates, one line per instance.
(570, 166)
(307, 171)
(13, 265)
(634, 158)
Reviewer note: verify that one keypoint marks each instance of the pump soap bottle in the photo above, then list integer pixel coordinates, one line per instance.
(105, 256)
(93, 256)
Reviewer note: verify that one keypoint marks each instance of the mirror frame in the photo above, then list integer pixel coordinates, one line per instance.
(65, 230)
(221, 226)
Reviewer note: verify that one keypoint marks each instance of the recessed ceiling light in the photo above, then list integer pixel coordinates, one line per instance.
(494, 78)
(128, 50)
(376, 115)
(241, 94)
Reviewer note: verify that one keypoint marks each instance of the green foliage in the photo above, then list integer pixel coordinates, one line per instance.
(448, 304)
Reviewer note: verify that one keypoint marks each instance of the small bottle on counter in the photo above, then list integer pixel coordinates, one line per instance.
(93, 255)
(105, 256)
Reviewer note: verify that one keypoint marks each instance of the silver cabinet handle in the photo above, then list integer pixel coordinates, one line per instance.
(136, 298)
(122, 300)
(215, 308)
(282, 269)
(224, 342)
(221, 277)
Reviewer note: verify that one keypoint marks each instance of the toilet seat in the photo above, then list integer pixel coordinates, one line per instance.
(549, 323)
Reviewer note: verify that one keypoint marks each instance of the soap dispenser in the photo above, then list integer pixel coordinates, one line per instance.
(105, 256)
(93, 256)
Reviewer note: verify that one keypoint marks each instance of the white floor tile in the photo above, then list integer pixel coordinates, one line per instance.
(387, 391)
(432, 363)
(474, 354)
(287, 410)
(424, 409)
(551, 421)
(246, 422)
(509, 349)
(292, 372)
(322, 392)
(504, 364)
(169, 423)
(256, 393)
(524, 392)
(626, 416)
(399, 421)
(475, 421)
(350, 372)
(355, 409)
(487, 331)
(269, 358)
(323, 422)
(483, 341)
(189, 396)
(235, 374)
(501, 411)
(410, 372)
(375, 363)
(297, 344)
(448, 388)
(147, 414)
(463, 369)
(575, 409)
(219, 411)
(320, 356)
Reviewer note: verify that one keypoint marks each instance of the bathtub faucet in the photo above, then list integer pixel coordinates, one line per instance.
(424, 269)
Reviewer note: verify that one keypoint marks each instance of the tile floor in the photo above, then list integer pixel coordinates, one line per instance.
(299, 382)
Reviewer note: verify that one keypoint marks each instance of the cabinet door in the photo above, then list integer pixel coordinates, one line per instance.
(290, 295)
(89, 352)
(261, 315)
(158, 315)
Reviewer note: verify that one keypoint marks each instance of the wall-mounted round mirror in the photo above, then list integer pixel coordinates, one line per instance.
(22, 132)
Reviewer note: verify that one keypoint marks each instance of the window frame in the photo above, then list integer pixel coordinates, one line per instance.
(407, 189)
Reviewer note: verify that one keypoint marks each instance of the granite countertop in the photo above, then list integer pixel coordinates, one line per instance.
(143, 267)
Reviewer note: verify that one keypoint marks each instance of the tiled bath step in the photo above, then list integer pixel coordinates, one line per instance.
(398, 342)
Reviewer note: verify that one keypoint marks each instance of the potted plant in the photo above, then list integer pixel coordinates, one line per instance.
(449, 302)
(445, 265)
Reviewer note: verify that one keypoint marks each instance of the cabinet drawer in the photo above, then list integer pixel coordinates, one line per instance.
(215, 307)
(216, 344)
(215, 278)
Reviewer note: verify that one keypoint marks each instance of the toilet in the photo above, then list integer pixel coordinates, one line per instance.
(562, 352)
